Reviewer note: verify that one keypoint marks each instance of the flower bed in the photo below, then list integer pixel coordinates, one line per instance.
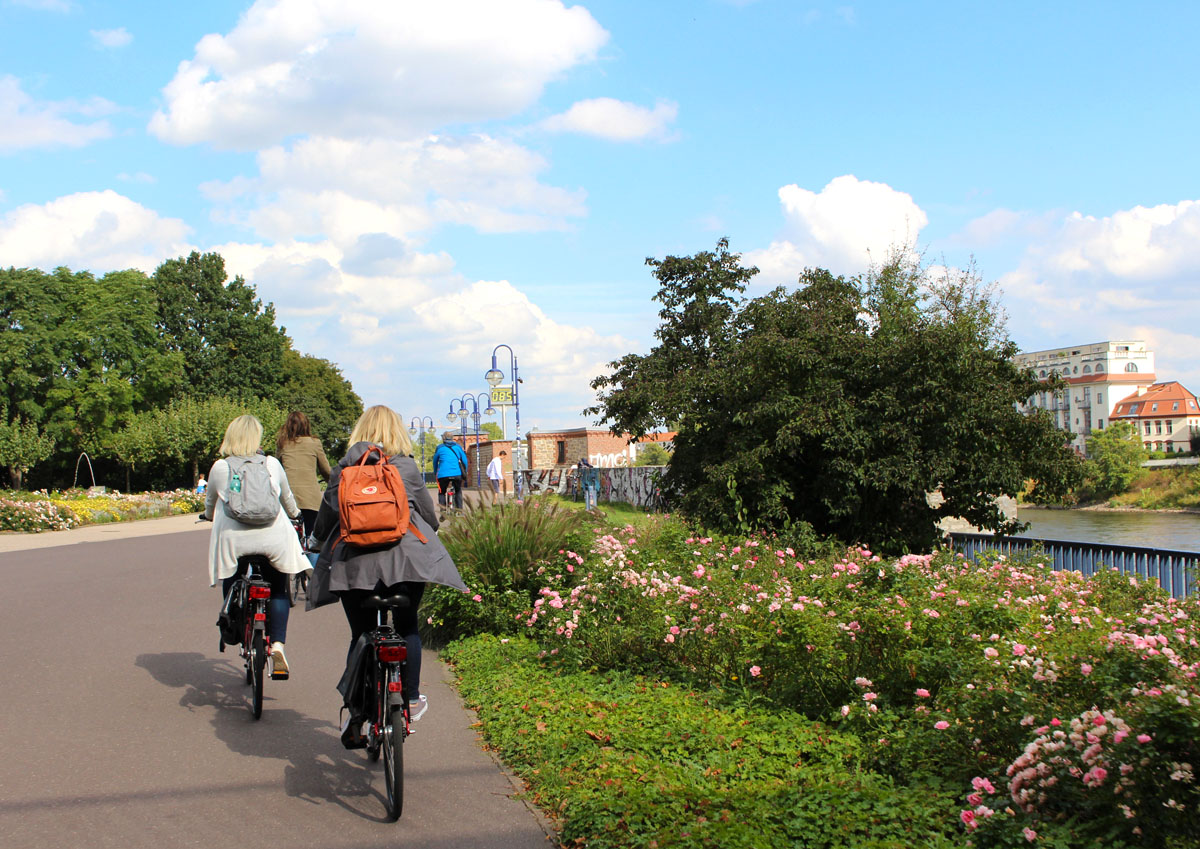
(33, 512)
(1065, 709)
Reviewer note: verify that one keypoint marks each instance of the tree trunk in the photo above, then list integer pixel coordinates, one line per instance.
(127, 468)
(16, 476)
(195, 472)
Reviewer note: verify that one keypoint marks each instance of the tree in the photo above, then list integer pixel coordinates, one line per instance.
(842, 403)
(492, 431)
(225, 334)
(1116, 459)
(317, 388)
(652, 454)
(22, 446)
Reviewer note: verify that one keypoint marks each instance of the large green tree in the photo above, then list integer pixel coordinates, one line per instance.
(22, 446)
(842, 403)
(81, 354)
(317, 388)
(1115, 461)
(227, 337)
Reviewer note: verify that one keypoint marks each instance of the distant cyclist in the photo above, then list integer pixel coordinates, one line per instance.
(449, 467)
(350, 573)
(276, 539)
(303, 458)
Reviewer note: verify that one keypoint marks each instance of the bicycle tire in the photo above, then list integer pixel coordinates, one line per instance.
(292, 590)
(393, 759)
(258, 661)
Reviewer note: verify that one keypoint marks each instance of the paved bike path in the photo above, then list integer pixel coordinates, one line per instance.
(123, 726)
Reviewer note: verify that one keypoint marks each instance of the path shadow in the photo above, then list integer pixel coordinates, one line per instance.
(317, 767)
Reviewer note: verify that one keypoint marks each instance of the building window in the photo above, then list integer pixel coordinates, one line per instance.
(1099, 368)
(1042, 373)
(562, 449)
(1130, 366)
(1087, 394)
(1158, 427)
(1100, 424)
(1087, 369)
(1147, 433)
(1168, 425)
(1175, 407)
(1154, 407)
(1099, 397)
(1133, 409)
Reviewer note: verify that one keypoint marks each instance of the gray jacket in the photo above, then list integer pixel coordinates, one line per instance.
(345, 567)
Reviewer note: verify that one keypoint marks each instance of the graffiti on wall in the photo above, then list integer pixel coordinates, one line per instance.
(634, 485)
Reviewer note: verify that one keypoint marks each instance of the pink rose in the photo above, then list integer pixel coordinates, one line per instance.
(1018, 649)
(922, 693)
(755, 671)
(1143, 738)
(941, 725)
(1029, 833)
(1085, 668)
(476, 597)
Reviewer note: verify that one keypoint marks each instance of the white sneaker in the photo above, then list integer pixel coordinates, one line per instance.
(279, 664)
(417, 709)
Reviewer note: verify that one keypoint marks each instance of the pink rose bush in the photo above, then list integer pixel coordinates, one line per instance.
(1065, 707)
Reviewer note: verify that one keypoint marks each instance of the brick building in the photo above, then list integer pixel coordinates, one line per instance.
(602, 448)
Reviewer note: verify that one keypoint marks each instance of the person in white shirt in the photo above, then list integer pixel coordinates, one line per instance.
(495, 473)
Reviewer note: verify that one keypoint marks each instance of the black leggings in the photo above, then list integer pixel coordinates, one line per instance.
(362, 620)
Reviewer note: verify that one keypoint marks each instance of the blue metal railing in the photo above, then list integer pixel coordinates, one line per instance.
(1175, 571)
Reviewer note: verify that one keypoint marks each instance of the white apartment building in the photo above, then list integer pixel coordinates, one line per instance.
(1098, 378)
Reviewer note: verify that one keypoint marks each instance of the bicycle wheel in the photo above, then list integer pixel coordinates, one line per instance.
(293, 590)
(393, 760)
(258, 660)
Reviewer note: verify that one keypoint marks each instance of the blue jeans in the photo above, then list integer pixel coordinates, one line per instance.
(278, 607)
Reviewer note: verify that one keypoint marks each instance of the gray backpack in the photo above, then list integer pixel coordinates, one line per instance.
(251, 497)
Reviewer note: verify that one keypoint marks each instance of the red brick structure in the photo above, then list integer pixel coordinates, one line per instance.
(603, 449)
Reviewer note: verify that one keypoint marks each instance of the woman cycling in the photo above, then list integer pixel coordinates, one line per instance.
(232, 539)
(350, 573)
(303, 459)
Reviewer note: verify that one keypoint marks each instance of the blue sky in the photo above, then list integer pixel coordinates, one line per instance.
(413, 183)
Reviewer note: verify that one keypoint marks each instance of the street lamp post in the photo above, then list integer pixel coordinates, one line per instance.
(418, 423)
(462, 413)
(493, 377)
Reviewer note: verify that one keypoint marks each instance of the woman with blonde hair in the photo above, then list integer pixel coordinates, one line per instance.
(303, 458)
(232, 539)
(351, 573)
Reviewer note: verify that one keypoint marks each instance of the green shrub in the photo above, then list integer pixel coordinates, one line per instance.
(504, 554)
(624, 761)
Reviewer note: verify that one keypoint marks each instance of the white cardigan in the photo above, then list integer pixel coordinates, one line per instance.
(231, 539)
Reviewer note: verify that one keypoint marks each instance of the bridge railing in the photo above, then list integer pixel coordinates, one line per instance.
(1175, 571)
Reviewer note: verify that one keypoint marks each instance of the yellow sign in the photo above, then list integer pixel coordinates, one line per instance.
(502, 396)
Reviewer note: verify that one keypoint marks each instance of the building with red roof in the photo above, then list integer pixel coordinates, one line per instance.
(1164, 415)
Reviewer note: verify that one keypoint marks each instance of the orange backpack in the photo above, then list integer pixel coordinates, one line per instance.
(373, 503)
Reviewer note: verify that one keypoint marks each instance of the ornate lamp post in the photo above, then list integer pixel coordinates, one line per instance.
(418, 424)
(461, 414)
(493, 377)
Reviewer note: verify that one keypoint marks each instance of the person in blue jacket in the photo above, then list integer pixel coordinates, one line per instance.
(449, 467)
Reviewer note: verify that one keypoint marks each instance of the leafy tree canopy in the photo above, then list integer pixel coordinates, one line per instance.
(842, 403)
(226, 335)
(316, 388)
(1116, 460)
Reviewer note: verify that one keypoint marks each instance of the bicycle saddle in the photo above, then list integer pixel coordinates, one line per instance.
(399, 601)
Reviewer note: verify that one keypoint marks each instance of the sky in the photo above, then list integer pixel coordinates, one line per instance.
(413, 183)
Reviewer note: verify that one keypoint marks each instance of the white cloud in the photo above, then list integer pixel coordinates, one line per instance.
(845, 227)
(26, 123)
(344, 188)
(615, 120)
(100, 231)
(358, 68)
(111, 38)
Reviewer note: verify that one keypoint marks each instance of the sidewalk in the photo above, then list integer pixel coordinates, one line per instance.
(100, 533)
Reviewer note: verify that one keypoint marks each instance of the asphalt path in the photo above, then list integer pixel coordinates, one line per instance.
(124, 726)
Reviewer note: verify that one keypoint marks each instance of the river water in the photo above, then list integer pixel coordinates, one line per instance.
(1175, 531)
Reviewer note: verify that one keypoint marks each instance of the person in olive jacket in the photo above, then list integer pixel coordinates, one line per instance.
(303, 459)
(350, 573)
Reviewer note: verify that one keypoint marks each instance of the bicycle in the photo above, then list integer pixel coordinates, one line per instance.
(385, 706)
(246, 613)
(298, 583)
